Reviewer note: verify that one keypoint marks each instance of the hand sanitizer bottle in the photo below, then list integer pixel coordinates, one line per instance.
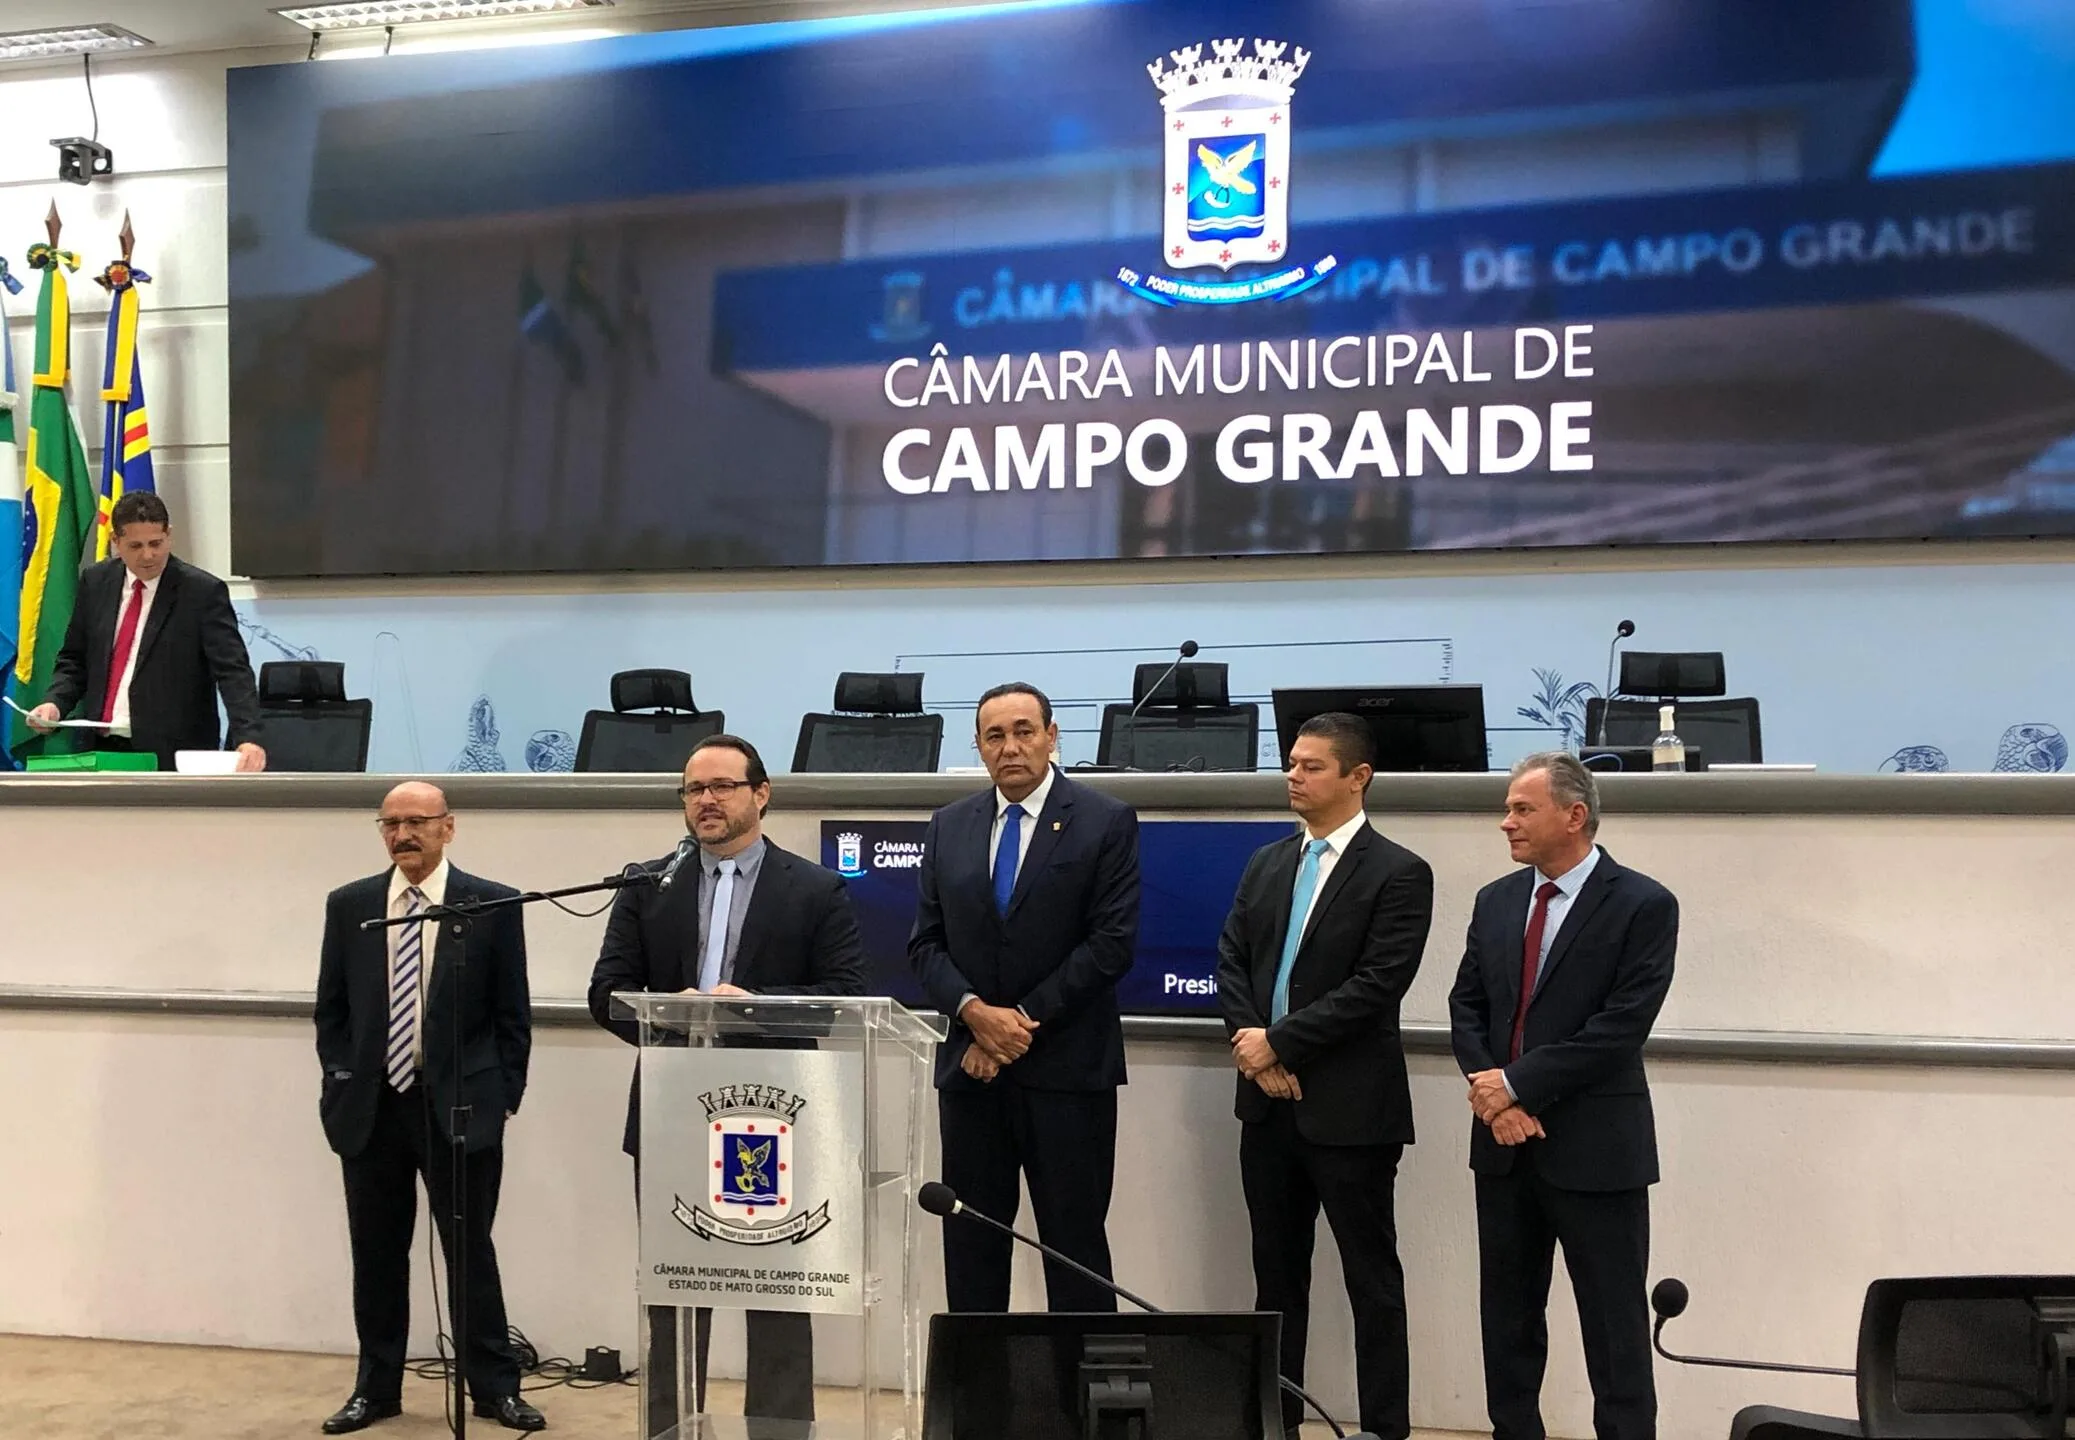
(1667, 751)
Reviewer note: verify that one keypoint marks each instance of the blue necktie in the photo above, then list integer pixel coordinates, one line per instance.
(1300, 905)
(717, 925)
(1005, 856)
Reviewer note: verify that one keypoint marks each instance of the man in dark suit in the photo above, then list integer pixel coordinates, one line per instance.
(152, 642)
(1567, 964)
(386, 1014)
(1026, 919)
(742, 917)
(1323, 940)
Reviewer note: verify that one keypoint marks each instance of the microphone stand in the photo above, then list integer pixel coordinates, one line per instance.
(1621, 632)
(458, 1115)
(1186, 651)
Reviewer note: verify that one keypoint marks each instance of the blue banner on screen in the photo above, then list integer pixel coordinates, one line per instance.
(1189, 871)
(1097, 279)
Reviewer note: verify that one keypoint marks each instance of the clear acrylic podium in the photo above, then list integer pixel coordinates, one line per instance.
(783, 1139)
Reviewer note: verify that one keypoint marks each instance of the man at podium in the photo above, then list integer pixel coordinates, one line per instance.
(731, 914)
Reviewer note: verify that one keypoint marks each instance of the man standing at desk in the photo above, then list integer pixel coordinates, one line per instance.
(740, 917)
(153, 641)
(1565, 968)
(1324, 937)
(1026, 919)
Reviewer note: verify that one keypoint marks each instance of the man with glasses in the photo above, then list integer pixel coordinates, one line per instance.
(1026, 919)
(386, 1022)
(740, 917)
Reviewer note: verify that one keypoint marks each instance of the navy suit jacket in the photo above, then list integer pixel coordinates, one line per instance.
(799, 937)
(1580, 1070)
(1068, 936)
(489, 1075)
(189, 653)
(1355, 961)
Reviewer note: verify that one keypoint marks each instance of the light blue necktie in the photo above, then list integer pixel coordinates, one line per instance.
(1300, 905)
(717, 925)
(403, 995)
(1005, 856)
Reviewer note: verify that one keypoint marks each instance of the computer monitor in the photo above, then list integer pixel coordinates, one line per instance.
(1201, 1376)
(1416, 727)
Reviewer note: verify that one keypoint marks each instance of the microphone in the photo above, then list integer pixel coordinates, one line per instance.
(941, 1200)
(1669, 1300)
(685, 847)
(1186, 651)
(1621, 632)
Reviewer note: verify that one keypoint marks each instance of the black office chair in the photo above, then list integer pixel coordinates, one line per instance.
(879, 730)
(1184, 722)
(306, 723)
(1961, 1356)
(652, 726)
(1725, 732)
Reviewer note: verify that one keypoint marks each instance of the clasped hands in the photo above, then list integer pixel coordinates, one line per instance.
(1257, 1061)
(1001, 1036)
(1493, 1104)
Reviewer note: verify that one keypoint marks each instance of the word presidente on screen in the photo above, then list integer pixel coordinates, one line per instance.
(1249, 448)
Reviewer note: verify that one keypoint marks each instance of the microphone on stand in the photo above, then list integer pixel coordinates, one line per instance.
(685, 847)
(1669, 1300)
(1621, 632)
(941, 1200)
(1185, 651)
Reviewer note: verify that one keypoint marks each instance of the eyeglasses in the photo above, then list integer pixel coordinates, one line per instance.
(390, 825)
(719, 789)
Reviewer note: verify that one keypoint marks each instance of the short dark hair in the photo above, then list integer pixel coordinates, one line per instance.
(138, 507)
(1015, 687)
(1352, 741)
(754, 770)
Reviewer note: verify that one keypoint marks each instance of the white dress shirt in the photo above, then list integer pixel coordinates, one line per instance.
(1336, 846)
(119, 685)
(1567, 886)
(1033, 806)
(434, 888)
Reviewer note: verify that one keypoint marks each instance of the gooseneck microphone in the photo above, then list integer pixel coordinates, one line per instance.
(941, 1200)
(1186, 650)
(1621, 632)
(1669, 1300)
(685, 847)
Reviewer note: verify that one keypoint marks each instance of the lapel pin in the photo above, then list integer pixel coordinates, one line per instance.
(1055, 824)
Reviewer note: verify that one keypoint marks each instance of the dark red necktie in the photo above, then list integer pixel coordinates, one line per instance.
(125, 642)
(1531, 961)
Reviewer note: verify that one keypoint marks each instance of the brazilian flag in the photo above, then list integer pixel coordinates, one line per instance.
(57, 503)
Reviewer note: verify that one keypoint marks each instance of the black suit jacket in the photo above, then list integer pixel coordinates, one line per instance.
(799, 937)
(1580, 1070)
(1068, 937)
(189, 653)
(489, 1074)
(1359, 952)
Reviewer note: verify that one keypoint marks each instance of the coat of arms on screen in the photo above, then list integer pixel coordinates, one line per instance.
(1226, 186)
(750, 1135)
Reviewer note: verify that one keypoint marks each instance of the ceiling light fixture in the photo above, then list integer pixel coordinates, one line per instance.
(374, 14)
(69, 40)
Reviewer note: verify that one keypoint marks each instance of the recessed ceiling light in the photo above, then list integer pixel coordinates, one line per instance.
(373, 14)
(69, 40)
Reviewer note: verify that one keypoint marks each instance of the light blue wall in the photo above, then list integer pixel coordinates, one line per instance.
(1852, 664)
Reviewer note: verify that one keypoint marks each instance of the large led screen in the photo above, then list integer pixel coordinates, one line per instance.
(1133, 280)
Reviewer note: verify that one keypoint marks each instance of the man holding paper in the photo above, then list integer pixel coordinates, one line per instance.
(152, 643)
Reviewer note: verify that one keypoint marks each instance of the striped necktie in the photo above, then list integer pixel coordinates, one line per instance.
(403, 994)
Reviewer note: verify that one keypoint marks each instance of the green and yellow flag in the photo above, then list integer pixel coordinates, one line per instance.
(57, 500)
